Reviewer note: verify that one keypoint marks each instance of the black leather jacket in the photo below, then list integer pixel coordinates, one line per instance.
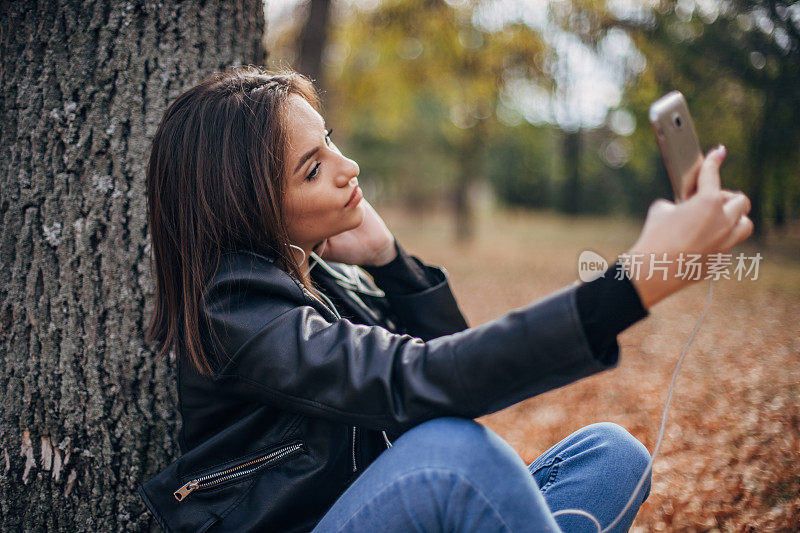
(306, 395)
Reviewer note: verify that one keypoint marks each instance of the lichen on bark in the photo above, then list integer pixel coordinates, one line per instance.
(88, 412)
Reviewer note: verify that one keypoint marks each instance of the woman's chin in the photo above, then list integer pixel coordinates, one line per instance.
(358, 214)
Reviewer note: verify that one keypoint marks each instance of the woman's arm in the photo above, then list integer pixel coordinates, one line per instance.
(403, 274)
(282, 351)
(607, 306)
(713, 220)
(419, 295)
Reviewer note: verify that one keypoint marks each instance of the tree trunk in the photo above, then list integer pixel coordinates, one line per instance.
(312, 41)
(571, 201)
(470, 163)
(759, 160)
(87, 411)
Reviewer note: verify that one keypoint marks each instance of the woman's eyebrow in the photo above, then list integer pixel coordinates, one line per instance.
(309, 153)
(305, 158)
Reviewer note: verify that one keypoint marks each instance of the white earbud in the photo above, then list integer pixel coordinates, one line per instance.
(301, 250)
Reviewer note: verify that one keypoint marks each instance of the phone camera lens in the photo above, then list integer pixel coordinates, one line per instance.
(678, 121)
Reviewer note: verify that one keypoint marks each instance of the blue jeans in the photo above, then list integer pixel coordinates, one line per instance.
(454, 474)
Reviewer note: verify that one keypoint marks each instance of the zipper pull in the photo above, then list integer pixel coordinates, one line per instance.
(184, 491)
(354, 450)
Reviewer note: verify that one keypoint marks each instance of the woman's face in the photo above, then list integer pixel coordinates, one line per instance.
(320, 180)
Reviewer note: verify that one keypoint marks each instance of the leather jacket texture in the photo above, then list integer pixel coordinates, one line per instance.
(306, 393)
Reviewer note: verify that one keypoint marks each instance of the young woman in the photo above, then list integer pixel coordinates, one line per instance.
(328, 380)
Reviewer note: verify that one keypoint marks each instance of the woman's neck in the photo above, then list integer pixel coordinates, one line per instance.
(305, 256)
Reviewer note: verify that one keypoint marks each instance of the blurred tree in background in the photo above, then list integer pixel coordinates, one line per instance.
(548, 101)
(312, 41)
(426, 83)
(738, 63)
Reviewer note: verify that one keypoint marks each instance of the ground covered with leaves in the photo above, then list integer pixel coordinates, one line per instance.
(729, 458)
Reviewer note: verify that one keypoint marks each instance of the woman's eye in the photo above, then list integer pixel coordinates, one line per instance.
(315, 170)
(313, 173)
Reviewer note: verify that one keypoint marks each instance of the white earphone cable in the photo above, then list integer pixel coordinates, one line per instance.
(581, 512)
(649, 468)
(301, 251)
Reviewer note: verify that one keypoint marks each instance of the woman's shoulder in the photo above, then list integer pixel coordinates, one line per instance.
(246, 291)
(250, 271)
(247, 256)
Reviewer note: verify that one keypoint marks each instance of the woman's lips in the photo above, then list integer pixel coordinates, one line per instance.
(355, 197)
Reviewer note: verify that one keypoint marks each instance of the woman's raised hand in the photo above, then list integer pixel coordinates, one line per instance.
(369, 244)
(713, 220)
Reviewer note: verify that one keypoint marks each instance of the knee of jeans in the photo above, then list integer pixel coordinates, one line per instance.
(623, 448)
(463, 440)
(451, 430)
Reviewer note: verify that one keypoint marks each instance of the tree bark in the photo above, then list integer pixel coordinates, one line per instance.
(88, 413)
(313, 37)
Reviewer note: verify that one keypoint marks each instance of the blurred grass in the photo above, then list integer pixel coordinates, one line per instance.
(729, 458)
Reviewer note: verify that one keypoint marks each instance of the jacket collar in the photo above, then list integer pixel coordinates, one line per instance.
(346, 276)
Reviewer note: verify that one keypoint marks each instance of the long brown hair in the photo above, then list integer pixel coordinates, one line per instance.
(215, 183)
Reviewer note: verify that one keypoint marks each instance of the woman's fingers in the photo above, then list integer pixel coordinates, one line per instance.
(741, 231)
(735, 207)
(728, 194)
(708, 181)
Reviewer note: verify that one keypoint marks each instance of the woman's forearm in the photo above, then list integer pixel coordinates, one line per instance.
(607, 306)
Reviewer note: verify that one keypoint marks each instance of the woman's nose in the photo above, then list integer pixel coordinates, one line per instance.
(348, 172)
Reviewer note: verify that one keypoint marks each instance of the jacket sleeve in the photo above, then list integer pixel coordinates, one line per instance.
(607, 305)
(282, 351)
(404, 274)
(419, 295)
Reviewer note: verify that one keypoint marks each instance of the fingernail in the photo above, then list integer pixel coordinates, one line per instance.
(721, 152)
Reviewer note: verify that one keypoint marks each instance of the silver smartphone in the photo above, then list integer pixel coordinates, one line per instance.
(677, 141)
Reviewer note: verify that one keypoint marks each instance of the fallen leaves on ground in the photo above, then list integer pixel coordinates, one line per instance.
(729, 460)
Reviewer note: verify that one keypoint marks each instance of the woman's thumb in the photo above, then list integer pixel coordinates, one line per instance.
(709, 171)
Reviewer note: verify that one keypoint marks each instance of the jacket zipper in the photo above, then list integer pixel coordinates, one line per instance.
(354, 449)
(215, 478)
(336, 312)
